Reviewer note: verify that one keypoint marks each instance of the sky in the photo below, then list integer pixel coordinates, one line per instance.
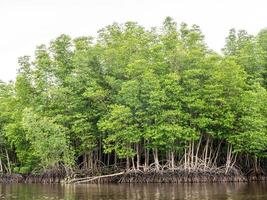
(24, 24)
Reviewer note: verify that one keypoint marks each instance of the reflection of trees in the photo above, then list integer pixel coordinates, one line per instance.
(226, 191)
(233, 191)
(31, 191)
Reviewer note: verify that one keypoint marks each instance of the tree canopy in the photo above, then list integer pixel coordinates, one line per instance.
(137, 98)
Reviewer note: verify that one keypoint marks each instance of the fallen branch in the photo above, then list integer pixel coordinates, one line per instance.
(89, 179)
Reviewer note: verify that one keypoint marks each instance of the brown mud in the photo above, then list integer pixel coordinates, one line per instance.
(136, 176)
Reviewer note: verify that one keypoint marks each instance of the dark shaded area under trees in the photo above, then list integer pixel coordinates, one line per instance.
(138, 100)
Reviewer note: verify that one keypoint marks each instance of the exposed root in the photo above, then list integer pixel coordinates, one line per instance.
(90, 179)
(11, 178)
(53, 175)
(181, 176)
(167, 174)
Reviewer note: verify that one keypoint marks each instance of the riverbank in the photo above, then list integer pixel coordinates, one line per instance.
(22, 178)
(134, 176)
(168, 176)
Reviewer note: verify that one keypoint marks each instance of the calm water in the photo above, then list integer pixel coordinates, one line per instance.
(225, 191)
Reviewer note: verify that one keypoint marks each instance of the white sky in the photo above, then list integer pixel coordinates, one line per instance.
(26, 23)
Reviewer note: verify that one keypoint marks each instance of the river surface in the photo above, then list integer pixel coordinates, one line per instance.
(223, 191)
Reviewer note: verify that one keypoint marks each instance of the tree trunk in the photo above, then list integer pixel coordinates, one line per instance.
(206, 153)
(127, 163)
(137, 157)
(216, 155)
(156, 158)
(146, 159)
(192, 154)
(256, 169)
(96, 159)
(189, 155)
(185, 164)
(172, 161)
(115, 159)
(228, 158)
(84, 162)
(8, 162)
(132, 158)
(198, 147)
(108, 160)
(1, 166)
(210, 153)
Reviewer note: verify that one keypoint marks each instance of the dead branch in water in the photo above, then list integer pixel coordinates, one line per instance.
(89, 179)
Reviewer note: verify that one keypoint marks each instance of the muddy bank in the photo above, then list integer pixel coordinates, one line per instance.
(168, 176)
(22, 178)
(137, 177)
(11, 178)
(55, 176)
(176, 177)
(171, 177)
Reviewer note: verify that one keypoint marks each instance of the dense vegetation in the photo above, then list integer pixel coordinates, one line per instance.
(138, 99)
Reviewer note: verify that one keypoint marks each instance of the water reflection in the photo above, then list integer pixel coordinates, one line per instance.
(220, 191)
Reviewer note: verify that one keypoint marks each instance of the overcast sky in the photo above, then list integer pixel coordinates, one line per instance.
(27, 23)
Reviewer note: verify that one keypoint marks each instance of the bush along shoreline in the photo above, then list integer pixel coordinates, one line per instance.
(137, 105)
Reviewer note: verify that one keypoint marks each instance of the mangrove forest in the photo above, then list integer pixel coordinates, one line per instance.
(133, 100)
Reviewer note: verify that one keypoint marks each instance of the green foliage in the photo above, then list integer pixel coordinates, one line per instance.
(48, 140)
(122, 131)
(251, 134)
(131, 90)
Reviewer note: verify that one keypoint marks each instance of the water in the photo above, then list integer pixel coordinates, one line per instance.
(223, 191)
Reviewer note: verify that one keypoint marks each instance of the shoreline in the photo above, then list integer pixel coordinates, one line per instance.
(136, 177)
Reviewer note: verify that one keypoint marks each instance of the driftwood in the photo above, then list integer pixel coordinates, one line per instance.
(89, 179)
